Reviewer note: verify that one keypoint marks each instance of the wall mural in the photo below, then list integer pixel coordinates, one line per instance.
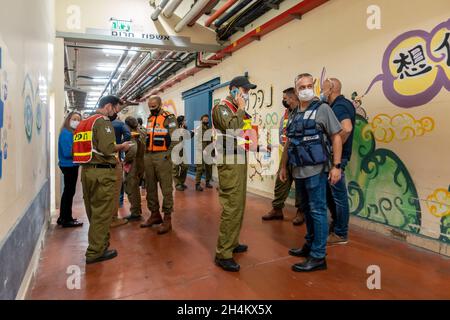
(402, 127)
(379, 185)
(416, 66)
(169, 105)
(28, 96)
(260, 108)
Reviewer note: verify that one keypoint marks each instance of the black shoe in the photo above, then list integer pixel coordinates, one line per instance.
(59, 222)
(310, 264)
(134, 217)
(71, 224)
(300, 252)
(208, 185)
(179, 187)
(240, 248)
(107, 255)
(185, 186)
(198, 187)
(227, 264)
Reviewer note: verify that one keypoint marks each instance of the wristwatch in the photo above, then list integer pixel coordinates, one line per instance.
(337, 165)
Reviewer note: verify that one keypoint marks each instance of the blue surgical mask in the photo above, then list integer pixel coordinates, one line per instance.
(323, 97)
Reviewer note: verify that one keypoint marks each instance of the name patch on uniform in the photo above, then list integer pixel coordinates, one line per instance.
(225, 112)
(108, 130)
(310, 114)
(172, 125)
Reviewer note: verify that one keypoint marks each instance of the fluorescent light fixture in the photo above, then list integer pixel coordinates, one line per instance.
(100, 80)
(108, 67)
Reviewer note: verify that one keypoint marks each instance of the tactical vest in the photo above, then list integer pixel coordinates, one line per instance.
(307, 143)
(82, 140)
(158, 136)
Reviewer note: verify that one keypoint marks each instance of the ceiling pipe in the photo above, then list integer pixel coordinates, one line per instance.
(130, 63)
(171, 7)
(198, 6)
(232, 12)
(67, 77)
(158, 9)
(219, 12)
(149, 70)
(209, 6)
(296, 12)
(113, 74)
(145, 77)
(145, 64)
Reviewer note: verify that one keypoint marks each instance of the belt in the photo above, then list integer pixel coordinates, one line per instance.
(101, 166)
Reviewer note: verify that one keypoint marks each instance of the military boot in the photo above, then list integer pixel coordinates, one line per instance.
(274, 214)
(155, 218)
(299, 218)
(166, 225)
(117, 222)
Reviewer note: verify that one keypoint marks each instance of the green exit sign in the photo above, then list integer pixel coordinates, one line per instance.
(121, 25)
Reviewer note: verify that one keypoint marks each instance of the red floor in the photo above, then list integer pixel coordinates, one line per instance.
(180, 265)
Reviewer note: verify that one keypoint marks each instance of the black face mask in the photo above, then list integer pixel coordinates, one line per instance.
(206, 123)
(285, 104)
(154, 112)
(112, 118)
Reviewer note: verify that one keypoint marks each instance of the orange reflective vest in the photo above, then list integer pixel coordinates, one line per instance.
(82, 140)
(248, 138)
(158, 136)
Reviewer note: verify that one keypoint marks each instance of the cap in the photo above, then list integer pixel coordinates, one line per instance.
(109, 99)
(243, 82)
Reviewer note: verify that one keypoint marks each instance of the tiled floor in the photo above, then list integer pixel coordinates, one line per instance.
(179, 265)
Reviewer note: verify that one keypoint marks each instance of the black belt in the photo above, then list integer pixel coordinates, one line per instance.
(102, 166)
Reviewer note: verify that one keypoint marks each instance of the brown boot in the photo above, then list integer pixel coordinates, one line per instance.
(166, 225)
(116, 222)
(155, 218)
(299, 218)
(274, 214)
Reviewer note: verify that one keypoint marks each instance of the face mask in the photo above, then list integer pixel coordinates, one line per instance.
(155, 111)
(74, 124)
(205, 123)
(285, 104)
(323, 97)
(306, 95)
(245, 96)
(113, 117)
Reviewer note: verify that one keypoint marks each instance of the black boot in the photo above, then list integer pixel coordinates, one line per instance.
(107, 255)
(310, 264)
(300, 252)
(198, 187)
(227, 264)
(240, 248)
(208, 185)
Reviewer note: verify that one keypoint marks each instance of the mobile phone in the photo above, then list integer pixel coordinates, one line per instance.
(235, 92)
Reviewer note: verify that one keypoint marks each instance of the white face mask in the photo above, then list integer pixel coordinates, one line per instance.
(245, 96)
(74, 124)
(306, 95)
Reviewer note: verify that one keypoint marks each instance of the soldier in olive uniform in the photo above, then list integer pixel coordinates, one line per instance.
(134, 168)
(180, 171)
(95, 148)
(202, 143)
(230, 115)
(158, 164)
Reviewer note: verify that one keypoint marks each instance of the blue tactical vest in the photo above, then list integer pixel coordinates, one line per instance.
(307, 143)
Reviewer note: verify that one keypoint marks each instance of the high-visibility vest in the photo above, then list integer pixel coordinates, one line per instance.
(284, 128)
(158, 136)
(248, 138)
(82, 140)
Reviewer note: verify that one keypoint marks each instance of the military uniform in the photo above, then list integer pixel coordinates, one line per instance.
(134, 171)
(98, 180)
(158, 168)
(202, 167)
(232, 180)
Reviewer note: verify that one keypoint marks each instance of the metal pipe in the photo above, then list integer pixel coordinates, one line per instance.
(158, 10)
(232, 12)
(136, 56)
(198, 6)
(113, 74)
(142, 74)
(144, 86)
(211, 4)
(219, 12)
(145, 64)
(171, 7)
(155, 68)
(75, 66)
